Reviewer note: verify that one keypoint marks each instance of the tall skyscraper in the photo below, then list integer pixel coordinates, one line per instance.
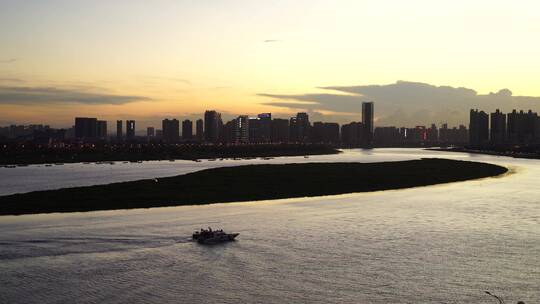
(212, 126)
(368, 112)
(85, 127)
(478, 128)
(199, 130)
(130, 129)
(498, 127)
(187, 129)
(119, 134)
(171, 130)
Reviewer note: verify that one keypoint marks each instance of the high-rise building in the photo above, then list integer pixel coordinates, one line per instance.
(352, 134)
(299, 127)
(265, 127)
(130, 129)
(150, 132)
(521, 126)
(199, 130)
(498, 127)
(212, 126)
(280, 130)
(101, 129)
(368, 112)
(255, 130)
(187, 129)
(478, 128)
(119, 134)
(85, 127)
(241, 129)
(171, 130)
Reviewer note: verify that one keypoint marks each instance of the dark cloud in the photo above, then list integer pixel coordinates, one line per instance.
(271, 40)
(407, 103)
(52, 95)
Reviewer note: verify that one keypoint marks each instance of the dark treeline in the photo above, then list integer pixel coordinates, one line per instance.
(39, 154)
(249, 183)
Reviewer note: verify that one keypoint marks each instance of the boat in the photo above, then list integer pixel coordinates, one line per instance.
(210, 237)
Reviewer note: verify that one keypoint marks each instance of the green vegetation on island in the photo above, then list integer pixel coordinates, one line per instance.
(249, 183)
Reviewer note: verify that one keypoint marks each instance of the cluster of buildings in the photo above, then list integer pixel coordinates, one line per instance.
(485, 130)
(262, 128)
(497, 128)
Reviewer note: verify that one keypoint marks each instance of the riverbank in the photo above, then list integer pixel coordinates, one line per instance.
(37, 154)
(507, 153)
(249, 183)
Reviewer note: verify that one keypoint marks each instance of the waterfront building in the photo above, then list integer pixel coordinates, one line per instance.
(478, 128)
(199, 130)
(368, 112)
(280, 130)
(130, 129)
(150, 132)
(212, 126)
(101, 129)
(171, 130)
(241, 129)
(498, 127)
(119, 134)
(85, 127)
(187, 130)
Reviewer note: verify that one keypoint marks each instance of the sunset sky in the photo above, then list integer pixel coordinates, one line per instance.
(148, 60)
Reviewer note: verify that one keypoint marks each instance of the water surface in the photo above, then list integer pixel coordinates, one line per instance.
(437, 244)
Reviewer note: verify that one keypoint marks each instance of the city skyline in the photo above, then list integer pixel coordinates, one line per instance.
(180, 58)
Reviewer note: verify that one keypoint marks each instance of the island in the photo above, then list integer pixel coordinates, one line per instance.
(249, 183)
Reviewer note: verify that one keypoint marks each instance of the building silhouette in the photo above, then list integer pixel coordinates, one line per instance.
(498, 128)
(119, 132)
(150, 132)
(299, 128)
(478, 128)
(212, 126)
(352, 134)
(241, 129)
(199, 130)
(368, 111)
(101, 129)
(187, 130)
(130, 129)
(171, 130)
(85, 128)
(280, 130)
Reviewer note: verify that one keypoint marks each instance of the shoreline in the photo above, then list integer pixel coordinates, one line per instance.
(522, 155)
(249, 183)
(103, 154)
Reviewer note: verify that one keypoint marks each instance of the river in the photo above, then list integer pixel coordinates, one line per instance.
(437, 244)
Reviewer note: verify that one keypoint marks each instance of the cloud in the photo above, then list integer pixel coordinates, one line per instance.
(10, 60)
(271, 40)
(51, 95)
(406, 103)
(11, 80)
